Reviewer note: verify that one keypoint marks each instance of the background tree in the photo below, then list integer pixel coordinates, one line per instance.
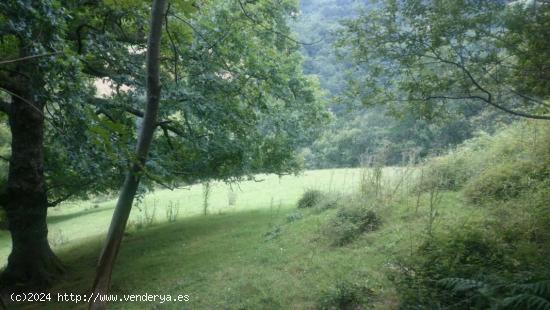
(427, 53)
(359, 128)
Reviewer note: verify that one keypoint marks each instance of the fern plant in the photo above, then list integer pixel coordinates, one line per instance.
(535, 296)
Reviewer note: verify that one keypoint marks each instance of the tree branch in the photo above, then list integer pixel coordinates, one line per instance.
(60, 200)
(22, 99)
(247, 15)
(105, 104)
(27, 58)
(489, 100)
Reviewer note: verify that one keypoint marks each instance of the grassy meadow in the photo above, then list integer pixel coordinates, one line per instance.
(74, 222)
(467, 230)
(262, 253)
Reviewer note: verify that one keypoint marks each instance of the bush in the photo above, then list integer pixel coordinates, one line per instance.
(310, 198)
(458, 255)
(501, 261)
(329, 202)
(274, 233)
(346, 296)
(448, 172)
(505, 181)
(350, 222)
(518, 154)
(294, 216)
(472, 267)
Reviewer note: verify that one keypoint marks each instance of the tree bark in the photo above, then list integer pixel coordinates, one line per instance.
(31, 264)
(131, 183)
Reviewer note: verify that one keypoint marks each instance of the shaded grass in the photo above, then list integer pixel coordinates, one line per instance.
(226, 262)
(80, 220)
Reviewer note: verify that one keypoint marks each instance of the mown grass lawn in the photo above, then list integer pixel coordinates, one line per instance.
(247, 257)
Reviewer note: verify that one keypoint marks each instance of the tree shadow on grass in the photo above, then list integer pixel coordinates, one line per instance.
(166, 250)
(54, 219)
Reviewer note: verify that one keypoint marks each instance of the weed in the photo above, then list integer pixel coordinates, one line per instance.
(294, 216)
(350, 222)
(231, 197)
(329, 202)
(205, 197)
(310, 198)
(274, 233)
(56, 237)
(147, 214)
(172, 211)
(346, 296)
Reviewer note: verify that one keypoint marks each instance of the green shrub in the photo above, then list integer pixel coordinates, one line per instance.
(461, 255)
(505, 181)
(274, 233)
(350, 222)
(517, 154)
(475, 268)
(346, 296)
(448, 172)
(294, 216)
(330, 202)
(533, 295)
(310, 198)
(500, 262)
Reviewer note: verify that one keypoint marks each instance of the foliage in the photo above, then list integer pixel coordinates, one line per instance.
(310, 198)
(294, 216)
(172, 211)
(496, 167)
(346, 296)
(508, 180)
(468, 268)
(244, 106)
(357, 130)
(498, 261)
(417, 56)
(525, 296)
(4, 156)
(235, 103)
(350, 222)
(274, 233)
(330, 201)
(317, 24)
(363, 130)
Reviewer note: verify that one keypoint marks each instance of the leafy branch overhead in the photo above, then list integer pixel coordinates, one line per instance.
(234, 99)
(428, 53)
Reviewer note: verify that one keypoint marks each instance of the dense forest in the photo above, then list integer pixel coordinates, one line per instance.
(358, 127)
(238, 154)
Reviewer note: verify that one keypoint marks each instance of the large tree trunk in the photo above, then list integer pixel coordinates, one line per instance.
(31, 264)
(131, 183)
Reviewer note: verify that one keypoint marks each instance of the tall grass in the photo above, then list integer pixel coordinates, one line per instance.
(482, 263)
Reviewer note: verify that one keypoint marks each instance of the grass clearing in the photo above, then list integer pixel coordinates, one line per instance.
(247, 257)
(74, 222)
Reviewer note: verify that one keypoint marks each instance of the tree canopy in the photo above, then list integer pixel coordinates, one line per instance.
(424, 54)
(234, 102)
